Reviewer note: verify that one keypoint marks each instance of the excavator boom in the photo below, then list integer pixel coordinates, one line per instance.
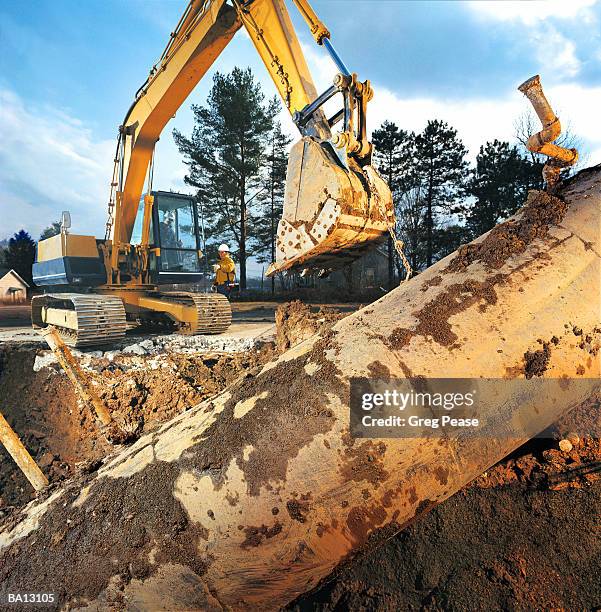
(335, 207)
(202, 34)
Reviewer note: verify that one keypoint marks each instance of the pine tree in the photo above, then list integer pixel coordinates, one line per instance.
(499, 183)
(449, 238)
(224, 155)
(20, 255)
(394, 152)
(272, 197)
(443, 171)
(52, 230)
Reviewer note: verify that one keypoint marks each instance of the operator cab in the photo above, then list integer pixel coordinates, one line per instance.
(175, 233)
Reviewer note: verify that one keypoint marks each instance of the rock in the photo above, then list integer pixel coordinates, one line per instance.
(574, 438)
(46, 460)
(110, 355)
(44, 360)
(93, 354)
(559, 486)
(154, 364)
(148, 345)
(565, 445)
(134, 349)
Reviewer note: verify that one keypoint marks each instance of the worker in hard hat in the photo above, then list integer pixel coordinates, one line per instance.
(225, 271)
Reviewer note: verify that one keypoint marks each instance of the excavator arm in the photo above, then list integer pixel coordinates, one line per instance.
(335, 202)
(201, 35)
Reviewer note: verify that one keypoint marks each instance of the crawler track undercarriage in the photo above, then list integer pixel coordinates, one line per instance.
(101, 319)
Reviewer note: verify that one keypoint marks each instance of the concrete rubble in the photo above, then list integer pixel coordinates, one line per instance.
(157, 347)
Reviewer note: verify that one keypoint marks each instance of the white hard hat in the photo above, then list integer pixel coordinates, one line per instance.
(224, 247)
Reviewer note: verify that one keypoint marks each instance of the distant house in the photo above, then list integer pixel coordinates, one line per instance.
(369, 271)
(12, 287)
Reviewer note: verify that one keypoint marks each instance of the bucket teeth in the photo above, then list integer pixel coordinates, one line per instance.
(332, 214)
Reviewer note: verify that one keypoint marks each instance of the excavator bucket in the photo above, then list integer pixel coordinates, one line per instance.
(332, 214)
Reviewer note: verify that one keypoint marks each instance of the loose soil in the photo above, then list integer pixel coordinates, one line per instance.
(296, 321)
(62, 434)
(508, 548)
(519, 537)
(540, 211)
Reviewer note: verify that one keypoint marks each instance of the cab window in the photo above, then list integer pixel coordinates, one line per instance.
(177, 234)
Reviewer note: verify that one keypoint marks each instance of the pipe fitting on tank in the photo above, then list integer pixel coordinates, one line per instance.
(542, 142)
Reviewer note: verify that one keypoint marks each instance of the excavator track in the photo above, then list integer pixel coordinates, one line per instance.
(81, 319)
(213, 310)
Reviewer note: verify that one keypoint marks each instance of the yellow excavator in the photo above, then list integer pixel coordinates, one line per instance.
(336, 206)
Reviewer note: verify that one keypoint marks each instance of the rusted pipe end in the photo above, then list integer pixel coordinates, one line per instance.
(533, 90)
(531, 82)
(542, 142)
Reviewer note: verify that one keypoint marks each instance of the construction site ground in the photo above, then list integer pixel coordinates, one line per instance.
(521, 536)
(249, 320)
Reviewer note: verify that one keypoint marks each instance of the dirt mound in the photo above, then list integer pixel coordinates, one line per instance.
(512, 237)
(542, 463)
(61, 433)
(517, 538)
(296, 321)
(508, 548)
(173, 384)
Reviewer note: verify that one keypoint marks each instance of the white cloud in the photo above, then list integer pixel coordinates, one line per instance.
(532, 11)
(548, 43)
(50, 162)
(476, 120)
(539, 21)
(578, 108)
(480, 120)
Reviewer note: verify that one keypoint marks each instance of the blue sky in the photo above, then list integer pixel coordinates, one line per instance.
(69, 70)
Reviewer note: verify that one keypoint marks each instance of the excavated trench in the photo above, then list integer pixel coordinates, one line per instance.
(142, 391)
(519, 536)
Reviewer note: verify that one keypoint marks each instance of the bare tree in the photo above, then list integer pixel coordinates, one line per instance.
(527, 124)
(410, 225)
